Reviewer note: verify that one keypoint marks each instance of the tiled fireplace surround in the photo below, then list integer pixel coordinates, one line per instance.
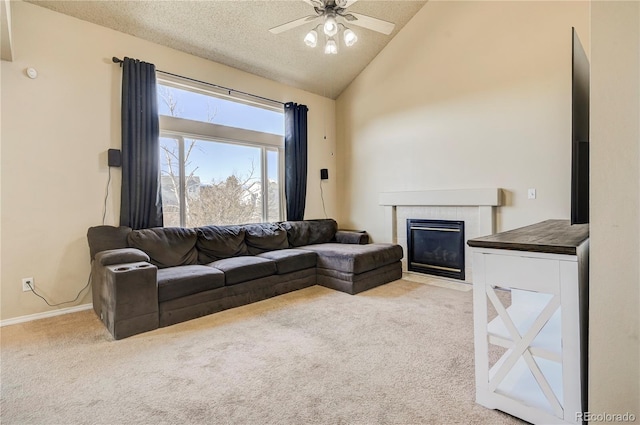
(476, 207)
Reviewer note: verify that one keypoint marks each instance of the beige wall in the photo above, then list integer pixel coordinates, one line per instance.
(57, 128)
(614, 372)
(467, 95)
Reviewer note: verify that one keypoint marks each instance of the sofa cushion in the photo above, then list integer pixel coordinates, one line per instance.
(241, 269)
(103, 238)
(355, 258)
(308, 232)
(291, 260)
(264, 237)
(218, 242)
(166, 246)
(297, 232)
(180, 281)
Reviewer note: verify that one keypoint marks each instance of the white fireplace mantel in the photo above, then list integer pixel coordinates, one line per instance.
(455, 197)
(485, 199)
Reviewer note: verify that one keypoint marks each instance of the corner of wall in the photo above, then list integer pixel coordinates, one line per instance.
(6, 36)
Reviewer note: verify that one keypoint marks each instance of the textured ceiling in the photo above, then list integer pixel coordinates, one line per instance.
(236, 33)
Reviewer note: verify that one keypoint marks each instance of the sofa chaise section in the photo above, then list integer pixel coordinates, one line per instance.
(356, 268)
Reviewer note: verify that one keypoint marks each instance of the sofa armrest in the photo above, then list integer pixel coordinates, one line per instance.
(120, 256)
(125, 291)
(352, 237)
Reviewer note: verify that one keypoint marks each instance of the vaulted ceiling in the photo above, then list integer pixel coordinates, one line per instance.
(236, 33)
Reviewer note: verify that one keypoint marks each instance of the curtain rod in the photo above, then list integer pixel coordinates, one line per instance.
(120, 61)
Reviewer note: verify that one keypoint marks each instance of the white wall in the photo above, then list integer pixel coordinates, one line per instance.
(467, 95)
(614, 326)
(57, 128)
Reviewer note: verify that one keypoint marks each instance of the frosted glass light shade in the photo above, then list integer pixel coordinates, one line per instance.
(330, 26)
(350, 37)
(331, 48)
(311, 39)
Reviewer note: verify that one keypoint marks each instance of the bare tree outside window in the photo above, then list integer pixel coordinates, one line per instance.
(233, 199)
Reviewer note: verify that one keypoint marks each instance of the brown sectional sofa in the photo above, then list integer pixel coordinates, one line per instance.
(150, 278)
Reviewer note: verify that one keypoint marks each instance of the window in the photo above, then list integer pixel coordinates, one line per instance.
(221, 158)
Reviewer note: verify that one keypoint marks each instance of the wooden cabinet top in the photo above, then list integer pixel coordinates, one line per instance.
(550, 236)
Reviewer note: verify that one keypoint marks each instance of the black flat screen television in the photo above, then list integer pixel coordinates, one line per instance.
(579, 133)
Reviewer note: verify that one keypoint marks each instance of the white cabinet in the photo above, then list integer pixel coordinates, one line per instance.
(530, 315)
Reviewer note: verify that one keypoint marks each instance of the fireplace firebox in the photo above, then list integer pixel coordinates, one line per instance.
(436, 247)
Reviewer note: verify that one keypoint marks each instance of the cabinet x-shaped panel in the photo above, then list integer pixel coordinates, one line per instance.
(521, 345)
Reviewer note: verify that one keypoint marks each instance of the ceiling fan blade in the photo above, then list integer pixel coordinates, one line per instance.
(314, 3)
(293, 24)
(372, 23)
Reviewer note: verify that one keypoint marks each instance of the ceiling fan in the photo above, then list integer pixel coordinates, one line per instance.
(331, 15)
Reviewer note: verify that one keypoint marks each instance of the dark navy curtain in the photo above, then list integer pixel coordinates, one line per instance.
(295, 159)
(141, 203)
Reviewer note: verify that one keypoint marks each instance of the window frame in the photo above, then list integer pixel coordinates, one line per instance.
(180, 129)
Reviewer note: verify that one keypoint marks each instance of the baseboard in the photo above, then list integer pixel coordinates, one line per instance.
(37, 316)
(443, 282)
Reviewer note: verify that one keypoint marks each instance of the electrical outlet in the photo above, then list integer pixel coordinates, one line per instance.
(531, 194)
(26, 282)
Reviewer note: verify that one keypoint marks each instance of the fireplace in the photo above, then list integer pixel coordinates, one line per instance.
(436, 247)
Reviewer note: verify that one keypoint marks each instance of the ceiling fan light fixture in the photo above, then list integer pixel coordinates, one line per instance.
(350, 37)
(311, 39)
(331, 48)
(331, 16)
(330, 25)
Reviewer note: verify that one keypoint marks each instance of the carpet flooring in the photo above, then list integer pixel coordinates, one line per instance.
(401, 353)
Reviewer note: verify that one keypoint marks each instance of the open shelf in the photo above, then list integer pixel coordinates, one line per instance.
(521, 386)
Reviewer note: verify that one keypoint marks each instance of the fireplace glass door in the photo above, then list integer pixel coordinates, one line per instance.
(436, 247)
